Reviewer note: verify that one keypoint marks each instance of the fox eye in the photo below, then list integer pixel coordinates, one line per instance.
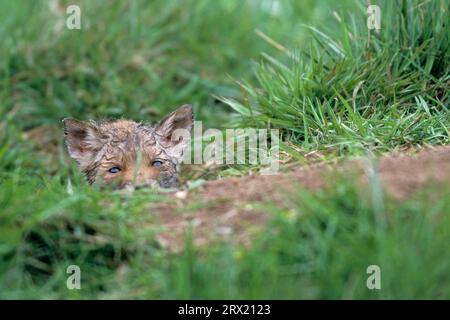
(114, 170)
(157, 163)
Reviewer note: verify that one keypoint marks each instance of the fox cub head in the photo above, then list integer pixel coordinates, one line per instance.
(127, 154)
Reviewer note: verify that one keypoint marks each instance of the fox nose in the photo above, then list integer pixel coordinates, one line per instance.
(142, 186)
(134, 178)
(130, 186)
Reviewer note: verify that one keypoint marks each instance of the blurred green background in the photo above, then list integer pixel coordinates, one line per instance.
(139, 59)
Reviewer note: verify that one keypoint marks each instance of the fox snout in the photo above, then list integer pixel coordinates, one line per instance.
(133, 186)
(141, 180)
(146, 179)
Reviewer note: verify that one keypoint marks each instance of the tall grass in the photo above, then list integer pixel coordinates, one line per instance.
(318, 245)
(359, 90)
(135, 59)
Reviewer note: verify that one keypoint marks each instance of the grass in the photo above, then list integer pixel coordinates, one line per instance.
(353, 92)
(139, 59)
(318, 245)
(320, 80)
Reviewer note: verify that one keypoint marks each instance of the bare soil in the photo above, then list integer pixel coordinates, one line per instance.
(228, 209)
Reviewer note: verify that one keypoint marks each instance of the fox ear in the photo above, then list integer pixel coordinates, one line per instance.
(83, 140)
(174, 131)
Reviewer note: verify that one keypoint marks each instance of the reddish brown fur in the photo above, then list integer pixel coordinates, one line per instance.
(132, 147)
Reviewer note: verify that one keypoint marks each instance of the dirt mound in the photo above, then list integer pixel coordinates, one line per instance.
(226, 208)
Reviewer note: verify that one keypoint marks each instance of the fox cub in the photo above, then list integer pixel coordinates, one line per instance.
(127, 154)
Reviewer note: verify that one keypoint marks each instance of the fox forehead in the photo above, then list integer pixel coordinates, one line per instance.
(125, 139)
(126, 131)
